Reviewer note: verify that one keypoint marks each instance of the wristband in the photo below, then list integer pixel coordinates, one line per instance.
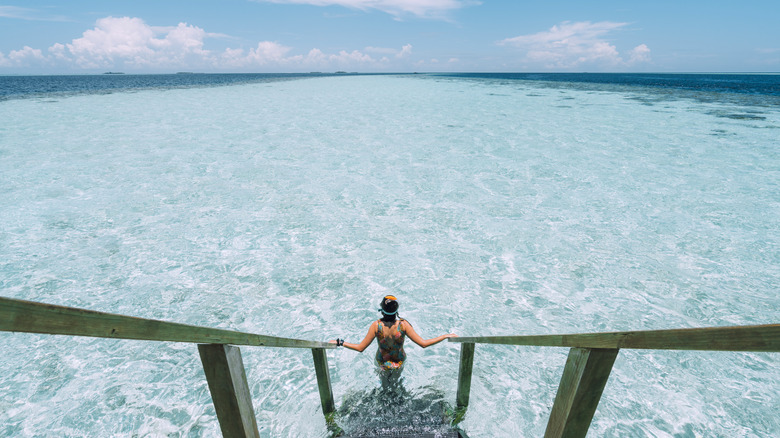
(339, 342)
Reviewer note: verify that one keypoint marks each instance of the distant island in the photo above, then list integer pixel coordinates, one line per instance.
(113, 73)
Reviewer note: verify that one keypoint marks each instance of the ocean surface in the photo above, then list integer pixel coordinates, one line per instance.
(489, 204)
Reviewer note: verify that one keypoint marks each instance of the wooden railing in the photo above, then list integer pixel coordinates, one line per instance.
(591, 358)
(584, 377)
(222, 362)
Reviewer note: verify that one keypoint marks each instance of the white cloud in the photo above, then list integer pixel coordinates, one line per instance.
(355, 57)
(25, 56)
(316, 57)
(130, 42)
(186, 38)
(569, 45)
(127, 43)
(405, 51)
(420, 8)
(27, 53)
(274, 54)
(266, 52)
(58, 52)
(640, 53)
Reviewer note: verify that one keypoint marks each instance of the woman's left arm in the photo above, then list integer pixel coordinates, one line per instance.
(417, 339)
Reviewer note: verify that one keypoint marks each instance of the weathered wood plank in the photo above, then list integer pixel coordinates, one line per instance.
(323, 380)
(579, 392)
(31, 317)
(229, 390)
(464, 374)
(739, 338)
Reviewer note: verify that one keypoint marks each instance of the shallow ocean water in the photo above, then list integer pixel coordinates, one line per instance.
(489, 207)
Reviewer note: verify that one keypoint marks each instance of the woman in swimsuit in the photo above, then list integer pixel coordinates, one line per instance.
(390, 332)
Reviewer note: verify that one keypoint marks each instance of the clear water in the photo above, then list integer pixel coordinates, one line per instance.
(488, 206)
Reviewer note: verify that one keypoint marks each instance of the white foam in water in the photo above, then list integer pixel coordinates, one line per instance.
(290, 208)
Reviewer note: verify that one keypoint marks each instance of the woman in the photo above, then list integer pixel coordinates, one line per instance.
(390, 332)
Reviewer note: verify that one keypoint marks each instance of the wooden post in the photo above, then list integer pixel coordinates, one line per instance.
(464, 374)
(229, 390)
(582, 383)
(323, 380)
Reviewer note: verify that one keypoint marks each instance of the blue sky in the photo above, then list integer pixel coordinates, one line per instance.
(139, 36)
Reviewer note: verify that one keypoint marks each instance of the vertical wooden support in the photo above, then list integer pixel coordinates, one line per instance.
(323, 380)
(464, 374)
(229, 390)
(582, 383)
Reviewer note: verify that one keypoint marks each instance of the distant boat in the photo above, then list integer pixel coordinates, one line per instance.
(113, 73)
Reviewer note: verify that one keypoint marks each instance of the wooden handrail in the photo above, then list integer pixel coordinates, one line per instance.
(585, 374)
(740, 338)
(222, 362)
(31, 317)
(592, 355)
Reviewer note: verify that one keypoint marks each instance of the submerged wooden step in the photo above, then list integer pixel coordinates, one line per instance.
(451, 434)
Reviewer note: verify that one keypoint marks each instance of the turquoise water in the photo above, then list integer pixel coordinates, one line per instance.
(487, 206)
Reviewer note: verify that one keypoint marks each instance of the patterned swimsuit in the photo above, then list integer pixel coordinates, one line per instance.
(390, 355)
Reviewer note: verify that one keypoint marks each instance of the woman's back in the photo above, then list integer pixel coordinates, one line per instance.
(390, 336)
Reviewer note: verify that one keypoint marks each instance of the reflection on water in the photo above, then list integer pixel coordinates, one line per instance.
(393, 409)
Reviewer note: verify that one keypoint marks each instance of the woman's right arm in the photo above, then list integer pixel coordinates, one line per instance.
(365, 342)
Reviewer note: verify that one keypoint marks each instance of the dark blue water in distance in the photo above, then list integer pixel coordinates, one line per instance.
(15, 87)
(755, 85)
(762, 84)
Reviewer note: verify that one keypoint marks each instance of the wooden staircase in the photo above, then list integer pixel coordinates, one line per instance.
(585, 375)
